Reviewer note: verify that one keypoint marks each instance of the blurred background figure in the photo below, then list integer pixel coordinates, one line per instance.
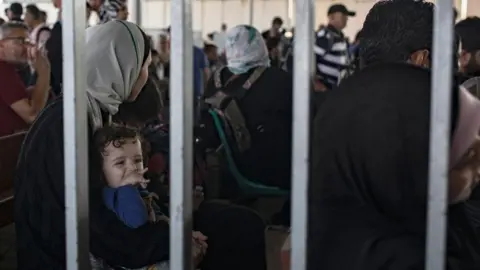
(15, 12)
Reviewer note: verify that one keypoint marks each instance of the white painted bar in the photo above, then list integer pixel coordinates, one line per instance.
(75, 135)
(439, 135)
(303, 51)
(181, 144)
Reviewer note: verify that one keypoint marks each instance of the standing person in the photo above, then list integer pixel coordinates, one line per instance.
(15, 12)
(273, 39)
(17, 109)
(210, 51)
(55, 51)
(331, 48)
(39, 31)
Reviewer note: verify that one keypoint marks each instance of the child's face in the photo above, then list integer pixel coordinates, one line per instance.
(119, 161)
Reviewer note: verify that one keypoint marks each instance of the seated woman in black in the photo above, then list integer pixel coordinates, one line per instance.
(369, 173)
(267, 107)
(117, 68)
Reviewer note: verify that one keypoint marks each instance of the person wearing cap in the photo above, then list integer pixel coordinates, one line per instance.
(331, 48)
(15, 12)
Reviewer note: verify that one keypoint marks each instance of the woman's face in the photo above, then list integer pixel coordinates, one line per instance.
(142, 79)
(465, 176)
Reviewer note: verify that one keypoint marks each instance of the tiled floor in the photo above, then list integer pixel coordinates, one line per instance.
(8, 259)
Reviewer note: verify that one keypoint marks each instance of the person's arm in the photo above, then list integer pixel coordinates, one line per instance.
(321, 47)
(17, 97)
(28, 109)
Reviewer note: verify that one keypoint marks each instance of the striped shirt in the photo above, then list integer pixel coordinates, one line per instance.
(331, 53)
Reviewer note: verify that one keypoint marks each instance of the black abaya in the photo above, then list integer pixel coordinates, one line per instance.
(40, 214)
(368, 188)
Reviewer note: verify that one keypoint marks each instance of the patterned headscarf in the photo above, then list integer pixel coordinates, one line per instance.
(245, 49)
(110, 8)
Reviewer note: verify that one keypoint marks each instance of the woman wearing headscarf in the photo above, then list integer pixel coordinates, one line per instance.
(117, 60)
(267, 106)
(369, 173)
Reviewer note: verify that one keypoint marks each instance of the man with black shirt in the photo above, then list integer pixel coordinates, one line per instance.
(55, 52)
(331, 48)
(273, 38)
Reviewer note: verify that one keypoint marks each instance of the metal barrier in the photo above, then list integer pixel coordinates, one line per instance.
(75, 128)
(75, 135)
(439, 135)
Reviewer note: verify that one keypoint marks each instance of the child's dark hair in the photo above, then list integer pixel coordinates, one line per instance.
(117, 135)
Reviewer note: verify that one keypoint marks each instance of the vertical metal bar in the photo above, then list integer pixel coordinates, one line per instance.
(303, 51)
(250, 12)
(181, 121)
(75, 135)
(439, 135)
(138, 13)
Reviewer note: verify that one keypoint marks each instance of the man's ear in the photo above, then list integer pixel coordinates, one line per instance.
(420, 58)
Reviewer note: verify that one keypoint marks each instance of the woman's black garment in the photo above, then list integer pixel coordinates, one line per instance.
(267, 108)
(368, 186)
(236, 237)
(40, 206)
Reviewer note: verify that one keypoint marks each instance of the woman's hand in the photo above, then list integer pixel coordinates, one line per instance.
(199, 247)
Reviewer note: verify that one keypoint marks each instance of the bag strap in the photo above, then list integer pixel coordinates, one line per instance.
(45, 28)
(231, 110)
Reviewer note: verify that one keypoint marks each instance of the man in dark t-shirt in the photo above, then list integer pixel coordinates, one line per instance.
(273, 39)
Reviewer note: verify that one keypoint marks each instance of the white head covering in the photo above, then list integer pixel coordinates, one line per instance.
(114, 56)
(245, 49)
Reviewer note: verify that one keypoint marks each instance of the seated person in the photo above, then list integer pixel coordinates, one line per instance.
(368, 192)
(120, 152)
(117, 67)
(267, 108)
(17, 109)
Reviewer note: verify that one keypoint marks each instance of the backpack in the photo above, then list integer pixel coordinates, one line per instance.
(228, 123)
(43, 29)
(227, 107)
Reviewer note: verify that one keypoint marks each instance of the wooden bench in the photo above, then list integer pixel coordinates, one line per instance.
(9, 151)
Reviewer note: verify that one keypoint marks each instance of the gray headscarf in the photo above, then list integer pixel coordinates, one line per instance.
(114, 56)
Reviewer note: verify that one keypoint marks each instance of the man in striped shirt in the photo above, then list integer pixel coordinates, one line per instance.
(331, 48)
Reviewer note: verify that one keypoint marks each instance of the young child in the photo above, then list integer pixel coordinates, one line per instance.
(122, 165)
(121, 156)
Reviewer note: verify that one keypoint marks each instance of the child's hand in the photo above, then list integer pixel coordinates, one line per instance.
(135, 178)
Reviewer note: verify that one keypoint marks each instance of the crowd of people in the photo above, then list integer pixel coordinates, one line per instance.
(369, 143)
